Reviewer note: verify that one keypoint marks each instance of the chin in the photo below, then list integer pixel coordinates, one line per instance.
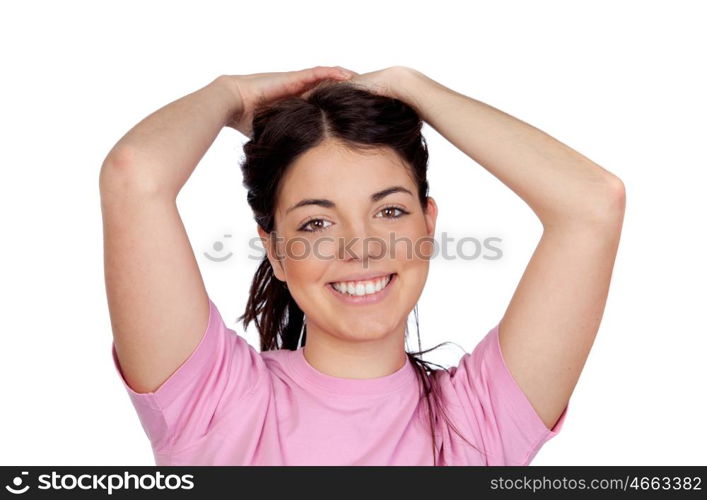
(367, 330)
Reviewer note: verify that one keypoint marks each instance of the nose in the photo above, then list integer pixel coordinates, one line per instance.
(359, 243)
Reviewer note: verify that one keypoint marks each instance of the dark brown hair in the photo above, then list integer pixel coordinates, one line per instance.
(282, 131)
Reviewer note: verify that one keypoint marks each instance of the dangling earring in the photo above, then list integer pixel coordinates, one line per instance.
(301, 333)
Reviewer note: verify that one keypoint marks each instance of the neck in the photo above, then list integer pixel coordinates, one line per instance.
(355, 358)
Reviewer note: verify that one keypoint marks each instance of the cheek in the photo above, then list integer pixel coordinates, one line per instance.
(412, 257)
(303, 276)
(305, 248)
(296, 250)
(304, 270)
(424, 248)
(324, 248)
(412, 247)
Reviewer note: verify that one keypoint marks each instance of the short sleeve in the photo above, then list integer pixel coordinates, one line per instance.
(497, 410)
(188, 404)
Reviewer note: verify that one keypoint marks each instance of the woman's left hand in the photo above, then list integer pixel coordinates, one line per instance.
(382, 82)
(395, 81)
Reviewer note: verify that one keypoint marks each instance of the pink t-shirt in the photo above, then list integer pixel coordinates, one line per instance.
(229, 404)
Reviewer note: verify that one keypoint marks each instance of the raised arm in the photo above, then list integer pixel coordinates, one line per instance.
(553, 317)
(156, 297)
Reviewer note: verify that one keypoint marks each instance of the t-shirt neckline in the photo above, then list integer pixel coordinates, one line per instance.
(310, 376)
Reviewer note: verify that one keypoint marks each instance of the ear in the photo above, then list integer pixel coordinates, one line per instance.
(269, 242)
(431, 216)
(430, 222)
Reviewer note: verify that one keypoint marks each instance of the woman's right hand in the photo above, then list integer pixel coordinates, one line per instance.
(260, 88)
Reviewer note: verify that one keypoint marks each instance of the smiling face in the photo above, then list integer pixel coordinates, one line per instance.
(341, 214)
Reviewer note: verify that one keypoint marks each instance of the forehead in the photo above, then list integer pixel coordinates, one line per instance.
(335, 172)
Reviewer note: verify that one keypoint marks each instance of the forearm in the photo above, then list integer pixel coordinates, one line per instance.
(559, 184)
(162, 150)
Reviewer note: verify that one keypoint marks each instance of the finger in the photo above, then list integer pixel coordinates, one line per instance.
(323, 72)
(308, 79)
(319, 73)
(348, 72)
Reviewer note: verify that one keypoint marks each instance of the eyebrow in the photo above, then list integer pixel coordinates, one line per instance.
(330, 204)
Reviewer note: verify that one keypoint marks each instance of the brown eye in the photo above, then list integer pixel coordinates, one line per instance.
(391, 208)
(310, 224)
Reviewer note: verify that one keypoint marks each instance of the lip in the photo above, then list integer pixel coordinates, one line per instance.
(365, 299)
(363, 276)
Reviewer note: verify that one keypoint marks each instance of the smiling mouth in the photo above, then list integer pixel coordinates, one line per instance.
(389, 280)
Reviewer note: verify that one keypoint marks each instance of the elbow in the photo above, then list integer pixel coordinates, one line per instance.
(602, 210)
(120, 176)
(615, 200)
(607, 211)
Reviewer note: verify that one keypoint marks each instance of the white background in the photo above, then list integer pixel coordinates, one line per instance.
(621, 82)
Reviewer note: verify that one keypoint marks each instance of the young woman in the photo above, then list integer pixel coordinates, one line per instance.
(336, 175)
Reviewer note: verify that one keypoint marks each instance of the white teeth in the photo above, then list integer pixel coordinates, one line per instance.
(361, 288)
